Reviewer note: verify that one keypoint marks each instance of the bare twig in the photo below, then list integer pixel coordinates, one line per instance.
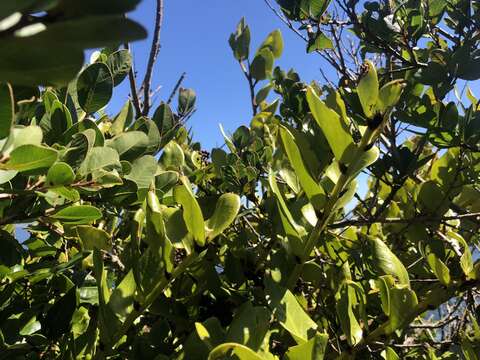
(175, 89)
(154, 50)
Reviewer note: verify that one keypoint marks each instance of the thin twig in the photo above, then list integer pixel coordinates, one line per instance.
(175, 89)
(154, 50)
(133, 84)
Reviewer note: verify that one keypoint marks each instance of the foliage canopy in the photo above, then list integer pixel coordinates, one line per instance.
(142, 245)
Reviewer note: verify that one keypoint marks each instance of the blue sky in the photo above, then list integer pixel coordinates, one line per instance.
(195, 40)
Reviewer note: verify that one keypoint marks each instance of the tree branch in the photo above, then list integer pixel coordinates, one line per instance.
(154, 50)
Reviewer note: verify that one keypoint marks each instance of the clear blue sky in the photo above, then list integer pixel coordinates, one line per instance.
(195, 40)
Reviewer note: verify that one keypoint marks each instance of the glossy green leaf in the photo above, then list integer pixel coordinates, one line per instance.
(94, 238)
(402, 301)
(240, 41)
(94, 87)
(249, 326)
(122, 120)
(122, 298)
(312, 188)
(289, 313)
(313, 349)
(262, 64)
(390, 354)
(143, 171)
(173, 157)
(78, 214)
(348, 320)
(119, 63)
(60, 173)
(332, 125)
(30, 157)
(100, 158)
(7, 109)
(367, 89)
(389, 95)
(156, 232)
(192, 214)
(80, 321)
(387, 262)
(319, 42)
(226, 210)
(232, 349)
(129, 145)
(274, 43)
(441, 271)
(186, 100)
(431, 197)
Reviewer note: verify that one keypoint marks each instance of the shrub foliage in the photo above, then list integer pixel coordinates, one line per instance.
(341, 223)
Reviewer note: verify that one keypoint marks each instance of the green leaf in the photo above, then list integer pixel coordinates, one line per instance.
(262, 64)
(80, 320)
(289, 313)
(173, 157)
(60, 174)
(313, 349)
(94, 238)
(386, 261)
(7, 109)
(348, 320)
(240, 41)
(192, 214)
(129, 145)
(122, 120)
(232, 349)
(30, 157)
(78, 214)
(390, 354)
(315, 8)
(431, 197)
(100, 158)
(332, 125)
(156, 233)
(165, 121)
(92, 32)
(94, 87)
(45, 63)
(368, 89)
(292, 229)
(122, 298)
(319, 42)
(441, 271)
(249, 326)
(274, 43)
(312, 188)
(119, 63)
(143, 171)
(389, 95)
(28, 135)
(186, 100)
(402, 302)
(58, 317)
(226, 211)
(263, 94)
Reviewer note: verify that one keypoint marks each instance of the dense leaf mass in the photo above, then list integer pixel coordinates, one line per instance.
(341, 223)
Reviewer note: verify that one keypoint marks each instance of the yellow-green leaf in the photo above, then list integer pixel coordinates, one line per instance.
(332, 125)
(192, 213)
(368, 89)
